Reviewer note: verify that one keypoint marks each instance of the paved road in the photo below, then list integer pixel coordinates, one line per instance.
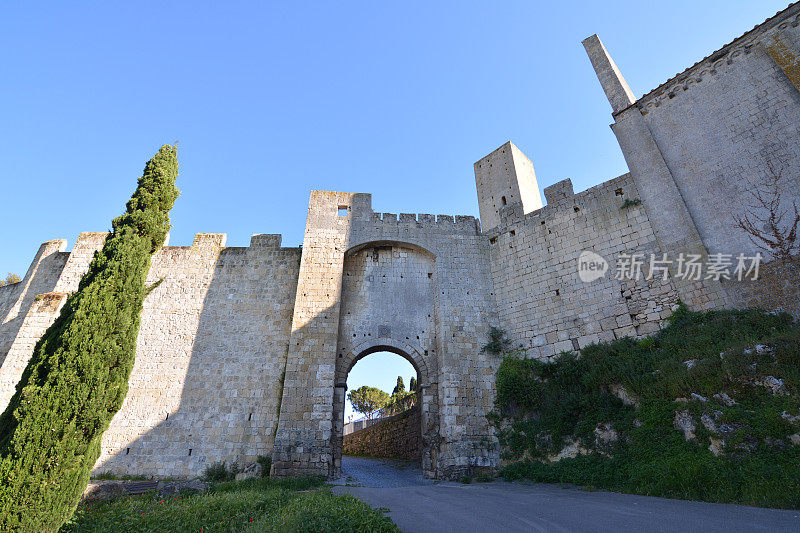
(418, 505)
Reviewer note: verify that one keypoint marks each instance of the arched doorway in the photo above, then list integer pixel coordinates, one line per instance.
(388, 305)
(427, 398)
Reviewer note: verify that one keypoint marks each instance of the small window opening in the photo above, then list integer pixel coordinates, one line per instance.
(250, 417)
(513, 232)
(190, 452)
(576, 208)
(557, 293)
(542, 222)
(618, 192)
(503, 199)
(127, 451)
(343, 210)
(430, 275)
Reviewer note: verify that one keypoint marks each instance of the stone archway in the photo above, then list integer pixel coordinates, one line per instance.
(388, 304)
(427, 399)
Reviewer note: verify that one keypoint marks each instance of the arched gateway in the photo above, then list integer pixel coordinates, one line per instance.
(388, 304)
(416, 287)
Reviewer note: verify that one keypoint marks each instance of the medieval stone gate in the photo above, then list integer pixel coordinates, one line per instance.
(418, 286)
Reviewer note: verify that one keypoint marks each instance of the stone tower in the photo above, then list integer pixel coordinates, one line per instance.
(505, 177)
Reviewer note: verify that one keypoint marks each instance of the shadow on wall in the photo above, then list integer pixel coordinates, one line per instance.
(16, 302)
(212, 349)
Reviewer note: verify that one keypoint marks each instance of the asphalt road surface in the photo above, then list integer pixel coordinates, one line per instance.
(420, 505)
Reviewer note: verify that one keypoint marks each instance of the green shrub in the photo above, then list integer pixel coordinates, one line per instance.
(252, 505)
(266, 465)
(542, 407)
(78, 374)
(218, 472)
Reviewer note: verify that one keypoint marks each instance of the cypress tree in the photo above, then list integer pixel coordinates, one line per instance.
(400, 387)
(78, 375)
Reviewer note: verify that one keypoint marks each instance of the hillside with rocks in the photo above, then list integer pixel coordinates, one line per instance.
(706, 409)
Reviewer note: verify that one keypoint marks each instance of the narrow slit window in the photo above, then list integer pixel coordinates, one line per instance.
(503, 199)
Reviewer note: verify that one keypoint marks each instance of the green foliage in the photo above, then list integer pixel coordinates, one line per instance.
(400, 388)
(11, 278)
(412, 385)
(498, 342)
(218, 472)
(78, 374)
(399, 402)
(542, 407)
(630, 203)
(266, 464)
(252, 505)
(368, 400)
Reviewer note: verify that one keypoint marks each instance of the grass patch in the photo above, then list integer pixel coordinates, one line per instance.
(262, 504)
(734, 374)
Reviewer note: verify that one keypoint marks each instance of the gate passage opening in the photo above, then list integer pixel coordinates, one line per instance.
(381, 404)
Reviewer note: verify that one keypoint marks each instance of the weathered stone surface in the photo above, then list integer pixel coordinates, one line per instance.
(397, 437)
(103, 490)
(251, 471)
(685, 423)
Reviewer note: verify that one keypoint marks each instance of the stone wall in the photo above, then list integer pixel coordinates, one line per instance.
(211, 351)
(207, 381)
(721, 124)
(25, 313)
(542, 303)
(701, 144)
(396, 437)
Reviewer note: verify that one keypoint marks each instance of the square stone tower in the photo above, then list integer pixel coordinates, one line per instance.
(505, 177)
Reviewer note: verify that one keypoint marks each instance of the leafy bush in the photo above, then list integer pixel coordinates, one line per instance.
(218, 472)
(252, 505)
(498, 341)
(715, 366)
(78, 374)
(266, 465)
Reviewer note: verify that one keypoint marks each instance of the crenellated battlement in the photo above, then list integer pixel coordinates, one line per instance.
(609, 195)
(448, 223)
